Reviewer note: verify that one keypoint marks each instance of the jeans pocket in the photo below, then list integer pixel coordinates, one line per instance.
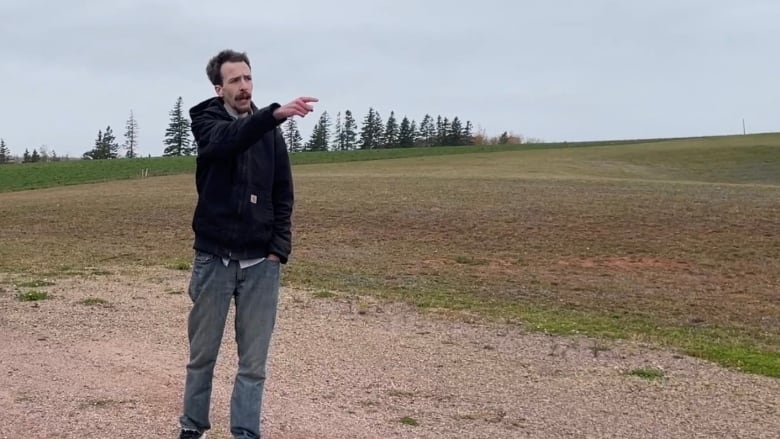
(203, 257)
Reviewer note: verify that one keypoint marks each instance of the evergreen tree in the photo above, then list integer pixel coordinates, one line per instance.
(94, 153)
(442, 131)
(468, 135)
(320, 134)
(339, 135)
(455, 135)
(379, 130)
(35, 156)
(131, 137)
(26, 156)
(109, 147)
(405, 133)
(391, 132)
(350, 131)
(177, 136)
(5, 153)
(427, 131)
(369, 136)
(292, 136)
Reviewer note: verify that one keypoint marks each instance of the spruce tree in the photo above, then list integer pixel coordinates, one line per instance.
(131, 137)
(350, 131)
(405, 133)
(368, 137)
(109, 147)
(427, 131)
(5, 154)
(455, 134)
(292, 136)
(391, 132)
(339, 136)
(468, 135)
(320, 134)
(177, 136)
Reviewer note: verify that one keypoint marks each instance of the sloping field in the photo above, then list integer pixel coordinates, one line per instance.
(674, 242)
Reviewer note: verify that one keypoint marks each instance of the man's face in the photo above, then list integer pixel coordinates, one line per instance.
(236, 88)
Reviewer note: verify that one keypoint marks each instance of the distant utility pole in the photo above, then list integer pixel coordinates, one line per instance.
(743, 127)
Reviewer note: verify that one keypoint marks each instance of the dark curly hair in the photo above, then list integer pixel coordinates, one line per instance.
(214, 67)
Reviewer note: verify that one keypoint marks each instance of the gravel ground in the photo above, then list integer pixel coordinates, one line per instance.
(349, 368)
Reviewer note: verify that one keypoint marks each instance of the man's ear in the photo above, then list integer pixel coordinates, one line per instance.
(218, 89)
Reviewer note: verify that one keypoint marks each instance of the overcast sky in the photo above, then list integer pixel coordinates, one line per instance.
(550, 69)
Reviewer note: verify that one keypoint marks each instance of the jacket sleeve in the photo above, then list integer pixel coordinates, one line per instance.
(283, 200)
(220, 139)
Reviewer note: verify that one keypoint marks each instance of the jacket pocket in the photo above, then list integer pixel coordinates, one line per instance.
(261, 216)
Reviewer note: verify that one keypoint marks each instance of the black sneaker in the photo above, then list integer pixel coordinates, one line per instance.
(191, 434)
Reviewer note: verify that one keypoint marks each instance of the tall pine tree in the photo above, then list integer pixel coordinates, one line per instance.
(320, 134)
(131, 137)
(368, 135)
(177, 136)
(455, 135)
(94, 153)
(405, 133)
(109, 147)
(468, 135)
(391, 132)
(292, 136)
(427, 131)
(5, 153)
(350, 131)
(339, 136)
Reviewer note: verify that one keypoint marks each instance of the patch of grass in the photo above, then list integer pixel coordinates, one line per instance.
(323, 294)
(26, 176)
(408, 420)
(648, 373)
(32, 296)
(93, 301)
(36, 283)
(181, 264)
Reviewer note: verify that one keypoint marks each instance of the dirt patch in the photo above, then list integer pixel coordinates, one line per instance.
(349, 367)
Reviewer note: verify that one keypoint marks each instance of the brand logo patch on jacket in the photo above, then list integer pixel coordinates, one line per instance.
(253, 199)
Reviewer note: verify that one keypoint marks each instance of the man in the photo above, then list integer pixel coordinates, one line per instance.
(242, 236)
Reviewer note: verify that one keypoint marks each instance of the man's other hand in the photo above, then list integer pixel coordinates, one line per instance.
(299, 107)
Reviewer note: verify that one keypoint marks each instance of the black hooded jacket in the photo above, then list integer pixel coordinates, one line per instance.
(244, 183)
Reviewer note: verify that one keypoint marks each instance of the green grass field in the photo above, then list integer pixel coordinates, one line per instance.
(673, 242)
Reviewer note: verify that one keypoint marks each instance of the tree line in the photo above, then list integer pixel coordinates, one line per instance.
(41, 154)
(342, 134)
(177, 138)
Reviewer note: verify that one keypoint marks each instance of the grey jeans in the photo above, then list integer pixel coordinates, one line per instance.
(256, 292)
